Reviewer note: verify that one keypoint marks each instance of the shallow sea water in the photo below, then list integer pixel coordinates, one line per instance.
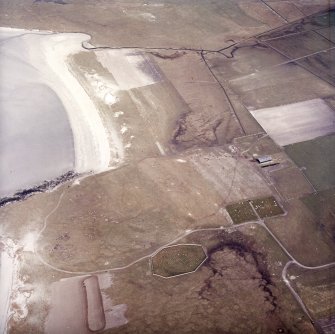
(36, 141)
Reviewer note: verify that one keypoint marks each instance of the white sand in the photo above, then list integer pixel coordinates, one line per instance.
(105, 280)
(148, 16)
(124, 129)
(104, 89)
(297, 122)
(114, 314)
(118, 113)
(28, 242)
(160, 148)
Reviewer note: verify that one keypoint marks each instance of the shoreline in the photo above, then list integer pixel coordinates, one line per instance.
(7, 270)
(48, 52)
(92, 152)
(46, 185)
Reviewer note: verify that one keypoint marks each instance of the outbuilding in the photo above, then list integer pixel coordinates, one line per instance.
(264, 159)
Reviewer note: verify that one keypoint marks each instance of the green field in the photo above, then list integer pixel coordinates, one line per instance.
(317, 157)
(244, 211)
(177, 260)
(241, 212)
(321, 203)
(267, 207)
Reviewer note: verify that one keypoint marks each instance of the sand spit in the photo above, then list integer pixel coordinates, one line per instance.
(49, 53)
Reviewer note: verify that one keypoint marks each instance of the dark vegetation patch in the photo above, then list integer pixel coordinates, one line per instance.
(230, 52)
(46, 185)
(176, 260)
(245, 248)
(174, 55)
(325, 19)
(321, 20)
(196, 130)
(58, 2)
